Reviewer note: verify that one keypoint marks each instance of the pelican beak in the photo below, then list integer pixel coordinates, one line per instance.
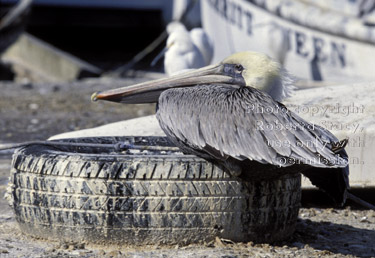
(149, 92)
(161, 54)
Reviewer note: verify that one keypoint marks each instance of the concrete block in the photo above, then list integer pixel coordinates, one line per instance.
(348, 111)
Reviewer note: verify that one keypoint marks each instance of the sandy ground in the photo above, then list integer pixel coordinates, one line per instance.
(37, 111)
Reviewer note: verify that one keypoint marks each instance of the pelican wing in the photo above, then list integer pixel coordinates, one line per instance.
(244, 123)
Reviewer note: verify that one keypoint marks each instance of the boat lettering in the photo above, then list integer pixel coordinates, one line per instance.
(313, 48)
(316, 48)
(233, 13)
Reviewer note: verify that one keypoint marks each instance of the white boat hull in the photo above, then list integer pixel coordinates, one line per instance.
(237, 25)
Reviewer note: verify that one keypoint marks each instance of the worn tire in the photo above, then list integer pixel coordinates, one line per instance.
(87, 195)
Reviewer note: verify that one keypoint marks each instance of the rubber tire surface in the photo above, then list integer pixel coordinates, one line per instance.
(88, 195)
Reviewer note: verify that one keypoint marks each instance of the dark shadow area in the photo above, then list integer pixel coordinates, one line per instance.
(332, 237)
(6, 72)
(316, 198)
(105, 37)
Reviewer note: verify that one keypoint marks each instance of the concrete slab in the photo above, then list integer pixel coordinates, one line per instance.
(143, 126)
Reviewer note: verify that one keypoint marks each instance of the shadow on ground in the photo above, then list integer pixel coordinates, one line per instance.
(333, 237)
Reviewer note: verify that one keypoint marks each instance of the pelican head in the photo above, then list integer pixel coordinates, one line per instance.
(180, 39)
(243, 69)
(174, 26)
(263, 73)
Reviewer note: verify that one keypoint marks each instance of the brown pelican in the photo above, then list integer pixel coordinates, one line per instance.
(228, 113)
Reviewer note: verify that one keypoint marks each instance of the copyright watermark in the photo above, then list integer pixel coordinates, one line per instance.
(277, 126)
(336, 161)
(313, 110)
(324, 110)
(262, 109)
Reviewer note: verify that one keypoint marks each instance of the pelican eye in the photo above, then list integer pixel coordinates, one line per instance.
(239, 68)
